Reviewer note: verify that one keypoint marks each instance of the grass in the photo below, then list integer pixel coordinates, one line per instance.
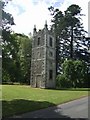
(17, 99)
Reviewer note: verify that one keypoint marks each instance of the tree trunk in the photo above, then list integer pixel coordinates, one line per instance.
(71, 44)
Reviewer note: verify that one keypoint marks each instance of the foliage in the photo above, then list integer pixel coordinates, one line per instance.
(10, 62)
(14, 47)
(16, 57)
(62, 81)
(5, 76)
(7, 18)
(80, 73)
(81, 51)
(18, 99)
(8, 45)
(75, 74)
(68, 29)
(25, 56)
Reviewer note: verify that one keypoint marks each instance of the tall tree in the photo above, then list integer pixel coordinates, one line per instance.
(9, 46)
(10, 63)
(7, 18)
(25, 56)
(72, 17)
(57, 26)
(16, 50)
(68, 29)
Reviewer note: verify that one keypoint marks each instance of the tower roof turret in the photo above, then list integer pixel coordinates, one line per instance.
(46, 26)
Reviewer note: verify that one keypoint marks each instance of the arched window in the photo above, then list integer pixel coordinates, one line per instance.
(50, 41)
(50, 74)
(38, 42)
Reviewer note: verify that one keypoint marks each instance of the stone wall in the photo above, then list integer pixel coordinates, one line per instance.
(51, 62)
(38, 53)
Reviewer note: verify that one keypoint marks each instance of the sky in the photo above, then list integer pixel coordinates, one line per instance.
(28, 13)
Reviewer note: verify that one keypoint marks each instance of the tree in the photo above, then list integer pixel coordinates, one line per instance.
(67, 27)
(10, 47)
(7, 18)
(80, 74)
(82, 50)
(58, 26)
(68, 71)
(7, 43)
(74, 74)
(16, 58)
(16, 50)
(74, 25)
(10, 58)
(25, 56)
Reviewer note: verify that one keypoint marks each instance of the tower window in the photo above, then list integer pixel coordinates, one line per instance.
(50, 74)
(38, 42)
(50, 41)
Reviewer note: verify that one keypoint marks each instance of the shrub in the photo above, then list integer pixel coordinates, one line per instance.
(75, 74)
(62, 81)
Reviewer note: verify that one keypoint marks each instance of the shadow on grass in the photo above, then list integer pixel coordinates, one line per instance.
(18, 107)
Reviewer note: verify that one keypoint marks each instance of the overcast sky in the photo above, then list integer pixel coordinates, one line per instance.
(28, 13)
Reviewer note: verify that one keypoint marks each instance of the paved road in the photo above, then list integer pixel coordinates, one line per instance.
(74, 109)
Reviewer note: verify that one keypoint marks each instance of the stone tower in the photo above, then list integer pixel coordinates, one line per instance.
(43, 64)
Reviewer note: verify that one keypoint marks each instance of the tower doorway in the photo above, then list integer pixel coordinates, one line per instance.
(38, 81)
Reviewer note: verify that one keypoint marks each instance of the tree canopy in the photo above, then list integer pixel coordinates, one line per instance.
(16, 51)
(69, 32)
(71, 45)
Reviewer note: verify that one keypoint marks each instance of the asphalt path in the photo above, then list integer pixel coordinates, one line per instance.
(74, 109)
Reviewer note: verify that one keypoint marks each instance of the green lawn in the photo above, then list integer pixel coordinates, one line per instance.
(20, 98)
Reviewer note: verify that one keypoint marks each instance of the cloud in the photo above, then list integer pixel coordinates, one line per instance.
(33, 14)
(26, 13)
(19, 7)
